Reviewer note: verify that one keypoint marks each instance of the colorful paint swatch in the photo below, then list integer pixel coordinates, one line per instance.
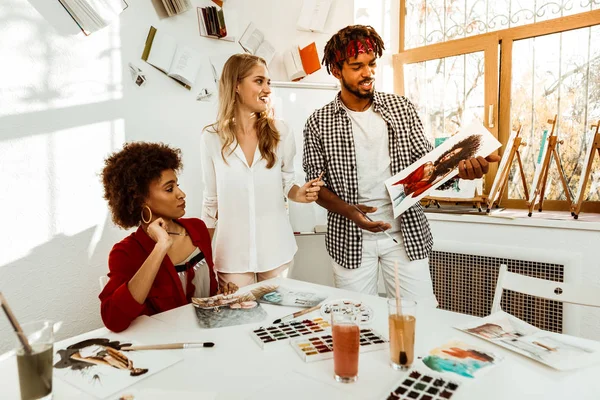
(316, 348)
(456, 357)
(420, 385)
(267, 336)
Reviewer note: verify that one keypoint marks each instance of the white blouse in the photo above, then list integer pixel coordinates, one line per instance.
(254, 233)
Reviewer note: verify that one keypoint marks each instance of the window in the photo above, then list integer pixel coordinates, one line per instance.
(504, 63)
(556, 74)
(435, 21)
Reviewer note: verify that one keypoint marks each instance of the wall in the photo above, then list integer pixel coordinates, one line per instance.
(66, 101)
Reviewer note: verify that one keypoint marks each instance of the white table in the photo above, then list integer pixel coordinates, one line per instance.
(237, 368)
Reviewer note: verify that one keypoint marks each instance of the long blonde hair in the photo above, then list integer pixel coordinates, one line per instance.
(238, 67)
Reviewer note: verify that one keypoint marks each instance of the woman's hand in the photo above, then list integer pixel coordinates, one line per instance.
(228, 288)
(157, 230)
(308, 192)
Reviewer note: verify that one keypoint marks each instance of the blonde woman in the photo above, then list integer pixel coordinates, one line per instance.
(247, 164)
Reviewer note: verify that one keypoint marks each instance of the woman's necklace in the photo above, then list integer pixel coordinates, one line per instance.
(184, 233)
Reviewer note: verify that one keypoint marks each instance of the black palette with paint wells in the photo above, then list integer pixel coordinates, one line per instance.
(419, 385)
(316, 348)
(269, 336)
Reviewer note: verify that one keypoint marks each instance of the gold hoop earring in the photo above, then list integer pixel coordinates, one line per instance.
(149, 218)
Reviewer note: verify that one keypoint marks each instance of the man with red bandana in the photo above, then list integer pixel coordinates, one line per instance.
(359, 140)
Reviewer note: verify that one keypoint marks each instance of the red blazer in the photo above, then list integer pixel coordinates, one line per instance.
(118, 308)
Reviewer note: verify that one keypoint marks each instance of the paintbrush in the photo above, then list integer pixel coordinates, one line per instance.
(15, 325)
(21, 335)
(380, 228)
(296, 314)
(403, 357)
(545, 346)
(169, 346)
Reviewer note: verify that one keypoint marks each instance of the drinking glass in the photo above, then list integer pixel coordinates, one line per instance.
(35, 367)
(346, 338)
(402, 333)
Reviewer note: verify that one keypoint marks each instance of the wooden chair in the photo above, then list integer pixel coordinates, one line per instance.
(558, 291)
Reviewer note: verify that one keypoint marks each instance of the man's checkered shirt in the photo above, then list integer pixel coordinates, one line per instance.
(329, 146)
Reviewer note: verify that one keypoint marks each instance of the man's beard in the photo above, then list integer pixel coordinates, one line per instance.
(357, 92)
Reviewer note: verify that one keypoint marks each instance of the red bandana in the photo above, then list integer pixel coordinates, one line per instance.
(351, 49)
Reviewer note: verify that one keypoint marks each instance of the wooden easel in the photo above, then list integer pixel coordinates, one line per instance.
(495, 197)
(476, 201)
(585, 174)
(551, 151)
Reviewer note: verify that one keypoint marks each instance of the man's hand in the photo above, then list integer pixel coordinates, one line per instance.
(476, 167)
(365, 222)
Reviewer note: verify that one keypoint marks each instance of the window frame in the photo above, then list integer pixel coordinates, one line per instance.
(498, 48)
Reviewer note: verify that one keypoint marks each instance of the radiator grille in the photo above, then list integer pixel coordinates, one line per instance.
(465, 283)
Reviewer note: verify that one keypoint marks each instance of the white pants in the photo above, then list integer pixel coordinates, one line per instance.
(414, 276)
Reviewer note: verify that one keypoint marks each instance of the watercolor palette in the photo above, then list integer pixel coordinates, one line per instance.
(363, 312)
(267, 336)
(316, 348)
(421, 386)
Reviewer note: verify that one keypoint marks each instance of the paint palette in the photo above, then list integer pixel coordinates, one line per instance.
(363, 312)
(266, 337)
(320, 347)
(421, 386)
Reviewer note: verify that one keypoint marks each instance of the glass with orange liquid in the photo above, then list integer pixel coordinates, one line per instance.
(402, 333)
(346, 338)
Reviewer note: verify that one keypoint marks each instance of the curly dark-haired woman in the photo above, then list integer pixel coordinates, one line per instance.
(168, 259)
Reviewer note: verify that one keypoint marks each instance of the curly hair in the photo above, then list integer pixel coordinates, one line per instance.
(468, 148)
(339, 42)
(127, 175)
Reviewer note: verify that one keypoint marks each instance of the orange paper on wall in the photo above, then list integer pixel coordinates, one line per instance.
(310, 59)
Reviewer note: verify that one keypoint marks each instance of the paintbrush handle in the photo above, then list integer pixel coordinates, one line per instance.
(15, 324)
(169, 346)
(545, 346)
(154, 347)
(305, 311)
(370, 220)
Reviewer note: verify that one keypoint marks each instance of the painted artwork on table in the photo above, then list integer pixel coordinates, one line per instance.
(282, 296)
(437, 167)
(229, 309)
(98, 367)
(559, 351)
(456, 357)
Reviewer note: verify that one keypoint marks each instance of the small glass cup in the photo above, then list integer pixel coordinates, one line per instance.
(346, 338)
(402, 333)
(35, 368)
